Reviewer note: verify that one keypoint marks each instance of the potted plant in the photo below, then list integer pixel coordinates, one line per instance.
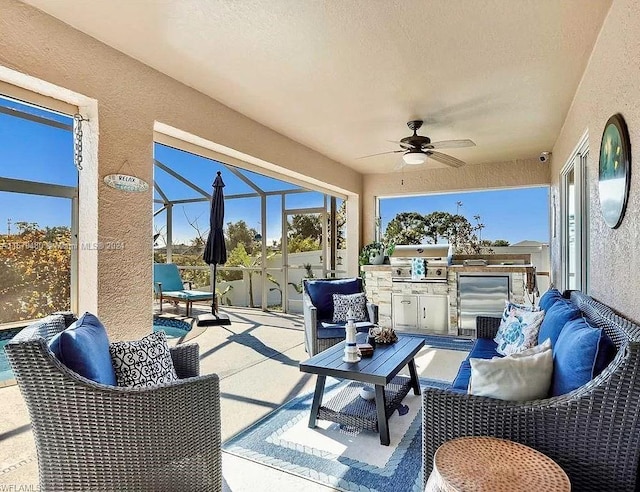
(375, 252)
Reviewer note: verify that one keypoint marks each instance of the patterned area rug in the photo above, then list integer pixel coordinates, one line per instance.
(343, 458)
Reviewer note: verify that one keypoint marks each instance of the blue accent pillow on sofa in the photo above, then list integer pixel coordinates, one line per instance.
(555, 318)
(580, 354)
(321, 293)
(84, 348)
(549, 298)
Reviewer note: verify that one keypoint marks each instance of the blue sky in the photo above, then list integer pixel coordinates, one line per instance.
(513, 214)
(37, 152)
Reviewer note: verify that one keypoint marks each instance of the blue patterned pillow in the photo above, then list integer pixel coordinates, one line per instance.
(511, 309)
(343, 302)
(519, 331)
(142, 363)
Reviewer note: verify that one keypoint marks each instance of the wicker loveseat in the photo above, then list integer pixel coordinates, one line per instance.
(593, 433)
(92, 436)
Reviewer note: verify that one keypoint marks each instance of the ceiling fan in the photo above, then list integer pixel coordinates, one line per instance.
(416, 148)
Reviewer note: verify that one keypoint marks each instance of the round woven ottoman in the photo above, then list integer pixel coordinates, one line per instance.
(488, 464)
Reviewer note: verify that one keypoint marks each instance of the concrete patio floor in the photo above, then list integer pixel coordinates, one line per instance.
(257, 360)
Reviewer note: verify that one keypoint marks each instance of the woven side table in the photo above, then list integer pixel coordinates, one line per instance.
(488, 464)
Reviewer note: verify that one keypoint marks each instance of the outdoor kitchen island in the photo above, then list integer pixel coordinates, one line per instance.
(431, 305)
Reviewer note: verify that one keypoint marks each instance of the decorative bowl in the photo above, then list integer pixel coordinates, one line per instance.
(367, 393)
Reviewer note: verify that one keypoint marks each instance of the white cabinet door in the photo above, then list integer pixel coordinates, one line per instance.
(433, 313)
(405, 312)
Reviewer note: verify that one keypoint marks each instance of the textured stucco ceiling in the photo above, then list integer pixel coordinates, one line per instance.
(343, 77)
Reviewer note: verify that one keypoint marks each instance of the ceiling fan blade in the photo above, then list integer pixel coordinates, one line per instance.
(450, 144)
(404, 145)
(445, 159)
(381, 153)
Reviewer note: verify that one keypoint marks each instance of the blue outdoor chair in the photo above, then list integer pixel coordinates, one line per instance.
(167, 284)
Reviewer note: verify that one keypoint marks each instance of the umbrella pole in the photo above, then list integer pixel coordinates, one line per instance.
(213, 319)
(213, 290)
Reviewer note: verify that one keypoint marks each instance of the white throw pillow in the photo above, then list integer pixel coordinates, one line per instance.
(519, 331)
(519, 377)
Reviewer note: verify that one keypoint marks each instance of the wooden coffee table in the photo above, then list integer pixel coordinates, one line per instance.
(488, 464)
(381, 370)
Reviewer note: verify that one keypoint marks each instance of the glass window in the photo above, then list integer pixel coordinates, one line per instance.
(37, 250)
(574, 219)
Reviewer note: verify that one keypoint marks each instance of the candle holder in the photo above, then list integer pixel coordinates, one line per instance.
(351, 353)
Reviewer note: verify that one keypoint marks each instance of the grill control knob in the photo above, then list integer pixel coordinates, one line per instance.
(439, 272)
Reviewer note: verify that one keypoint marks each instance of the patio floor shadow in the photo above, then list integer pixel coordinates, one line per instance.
(257, 360)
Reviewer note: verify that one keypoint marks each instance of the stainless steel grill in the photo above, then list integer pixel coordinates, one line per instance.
(405, 263)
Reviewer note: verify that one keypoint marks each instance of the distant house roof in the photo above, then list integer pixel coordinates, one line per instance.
(528, 243)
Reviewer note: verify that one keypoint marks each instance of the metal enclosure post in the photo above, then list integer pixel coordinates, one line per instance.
(285, 258)
(169, 232)
(334, 233)
(263, 232)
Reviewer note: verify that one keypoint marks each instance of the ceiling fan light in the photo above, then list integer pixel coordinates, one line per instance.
(414, 158)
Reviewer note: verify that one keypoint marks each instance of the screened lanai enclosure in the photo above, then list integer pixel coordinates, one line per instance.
(276, 232)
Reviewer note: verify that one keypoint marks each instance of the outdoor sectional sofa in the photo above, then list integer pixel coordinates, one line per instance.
(593, 432)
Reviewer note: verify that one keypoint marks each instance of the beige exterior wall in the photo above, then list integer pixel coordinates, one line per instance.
(130, 98)
(611, 84)
(495, 175)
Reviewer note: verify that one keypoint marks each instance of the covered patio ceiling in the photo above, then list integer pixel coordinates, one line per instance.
(344, 77)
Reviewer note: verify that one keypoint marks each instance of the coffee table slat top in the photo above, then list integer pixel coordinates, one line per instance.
(382, 367)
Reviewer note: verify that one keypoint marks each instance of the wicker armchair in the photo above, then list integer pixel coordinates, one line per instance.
(593, 433)
(91, 436)
(315, 340)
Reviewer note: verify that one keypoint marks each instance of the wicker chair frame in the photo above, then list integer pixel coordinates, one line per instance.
(314, 345)
(593, 433)
(91, 436)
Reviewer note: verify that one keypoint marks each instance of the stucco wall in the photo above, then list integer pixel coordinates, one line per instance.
(495, 175)
(130, 98)
(611, 84)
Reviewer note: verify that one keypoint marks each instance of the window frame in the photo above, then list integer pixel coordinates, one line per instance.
(578, 162)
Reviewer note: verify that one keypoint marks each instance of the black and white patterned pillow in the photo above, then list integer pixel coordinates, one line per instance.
(343, 302)
(144, 362)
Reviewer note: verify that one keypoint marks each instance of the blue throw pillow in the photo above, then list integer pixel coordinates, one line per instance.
(549, 298)
(580, 354)
(555, 318)
(84, 348)
(321, 293)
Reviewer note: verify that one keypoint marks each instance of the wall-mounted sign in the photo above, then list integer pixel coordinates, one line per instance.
(124, 182)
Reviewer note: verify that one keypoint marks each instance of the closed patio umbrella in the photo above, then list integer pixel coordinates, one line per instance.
(215, 251)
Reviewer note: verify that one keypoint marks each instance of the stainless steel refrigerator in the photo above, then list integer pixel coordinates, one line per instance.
(480, 295)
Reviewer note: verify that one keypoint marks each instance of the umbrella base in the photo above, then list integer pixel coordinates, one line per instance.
(213, 320)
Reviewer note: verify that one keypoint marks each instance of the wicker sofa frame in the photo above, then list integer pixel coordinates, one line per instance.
(593, 433)
(314, 345)
(91, 436)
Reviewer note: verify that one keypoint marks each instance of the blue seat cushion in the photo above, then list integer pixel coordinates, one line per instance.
(580, 354)
(168, 275)
(84, 348)
(188, 295)
(549, 298)
(321, 293)
(483, 348)
(329, 329)
(559, 314)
